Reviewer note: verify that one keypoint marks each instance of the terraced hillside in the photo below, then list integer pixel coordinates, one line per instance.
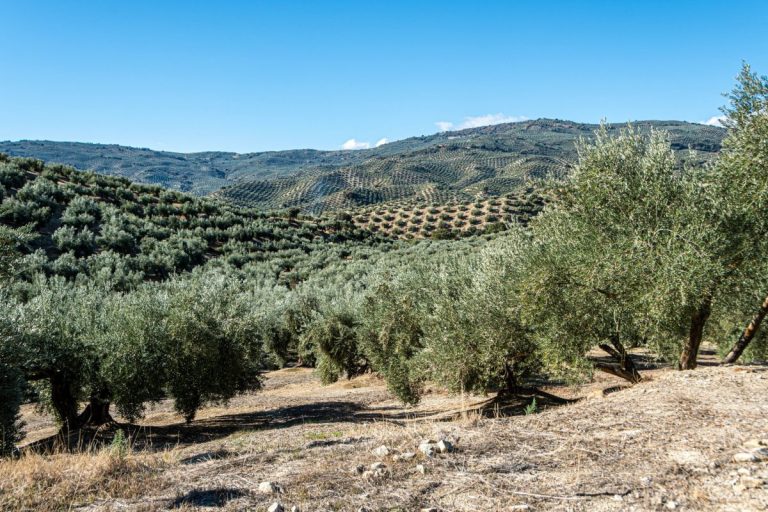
(412, 219)
(85, 224)
(455, 166)
(445, 166)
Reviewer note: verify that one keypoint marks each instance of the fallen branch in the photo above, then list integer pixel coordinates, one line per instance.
(624, 366)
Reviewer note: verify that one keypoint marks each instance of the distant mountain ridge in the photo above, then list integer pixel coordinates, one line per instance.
(457, 165)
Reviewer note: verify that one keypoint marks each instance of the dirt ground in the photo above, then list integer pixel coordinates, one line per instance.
(667, 443)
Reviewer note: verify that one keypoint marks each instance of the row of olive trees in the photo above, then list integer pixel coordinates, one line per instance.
(194, 339)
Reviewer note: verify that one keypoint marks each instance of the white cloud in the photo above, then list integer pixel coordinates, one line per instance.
(354, 144)
(715, 121)
(359, 144)
(487, 120)
(477, 121)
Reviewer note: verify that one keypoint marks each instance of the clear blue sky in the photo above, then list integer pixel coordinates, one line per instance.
(255, 75)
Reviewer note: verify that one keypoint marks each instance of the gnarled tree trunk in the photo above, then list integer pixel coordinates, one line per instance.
(695, 335)
(64, 401)
(96, 412)
(747, 334)
(510, 378)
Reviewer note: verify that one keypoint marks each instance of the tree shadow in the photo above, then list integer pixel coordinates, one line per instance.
(524, 401)
(208, 498)
(153, 438)
(158, 438)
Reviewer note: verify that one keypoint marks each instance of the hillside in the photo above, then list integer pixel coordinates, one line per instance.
(411, 219)
(451, 166)
(89, 224)
(445, 166)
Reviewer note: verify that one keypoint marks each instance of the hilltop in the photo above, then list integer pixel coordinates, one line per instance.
(447, 166)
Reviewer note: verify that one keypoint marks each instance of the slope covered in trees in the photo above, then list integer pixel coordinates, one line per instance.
(417, 219)
(117, 293)
(92, 225)
(453, 166)
(458, 165)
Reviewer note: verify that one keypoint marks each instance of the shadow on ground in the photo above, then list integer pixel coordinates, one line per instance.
(208, 498)
(156, 438)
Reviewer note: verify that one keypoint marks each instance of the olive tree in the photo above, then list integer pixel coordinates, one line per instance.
(739, 191)
(474, 337)
(11, 378)
(211, 347)
(391, 333)
(619, 256)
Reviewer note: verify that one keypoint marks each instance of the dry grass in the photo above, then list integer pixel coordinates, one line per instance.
(668, 439)
(65, 481)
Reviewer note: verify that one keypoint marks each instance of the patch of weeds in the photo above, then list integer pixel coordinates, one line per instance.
(531, 408)
(322, 436)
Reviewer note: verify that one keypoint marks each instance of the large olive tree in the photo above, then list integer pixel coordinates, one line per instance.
(739, 189)
(617, 257)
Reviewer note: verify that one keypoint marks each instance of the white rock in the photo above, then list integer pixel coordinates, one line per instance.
(295, 509)
(381, 451)
(427, 448)
(275, 507)
(687, 457)
(671, 505)
(756, 443)
(429, 509)
(270, 487)
(404, 456)
(421, 469)
(378, 471)
(744, 457)
(444, 446)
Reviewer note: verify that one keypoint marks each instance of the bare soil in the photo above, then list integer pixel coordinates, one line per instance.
(666, 443)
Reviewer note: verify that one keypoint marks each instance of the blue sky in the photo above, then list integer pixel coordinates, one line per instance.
(255, 75)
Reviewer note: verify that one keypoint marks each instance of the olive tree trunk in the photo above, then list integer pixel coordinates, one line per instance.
(96, 412)
(64, 401)
(695, 335)
(747, 334)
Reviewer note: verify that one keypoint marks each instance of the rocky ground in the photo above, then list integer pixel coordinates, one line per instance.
(677, 441)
